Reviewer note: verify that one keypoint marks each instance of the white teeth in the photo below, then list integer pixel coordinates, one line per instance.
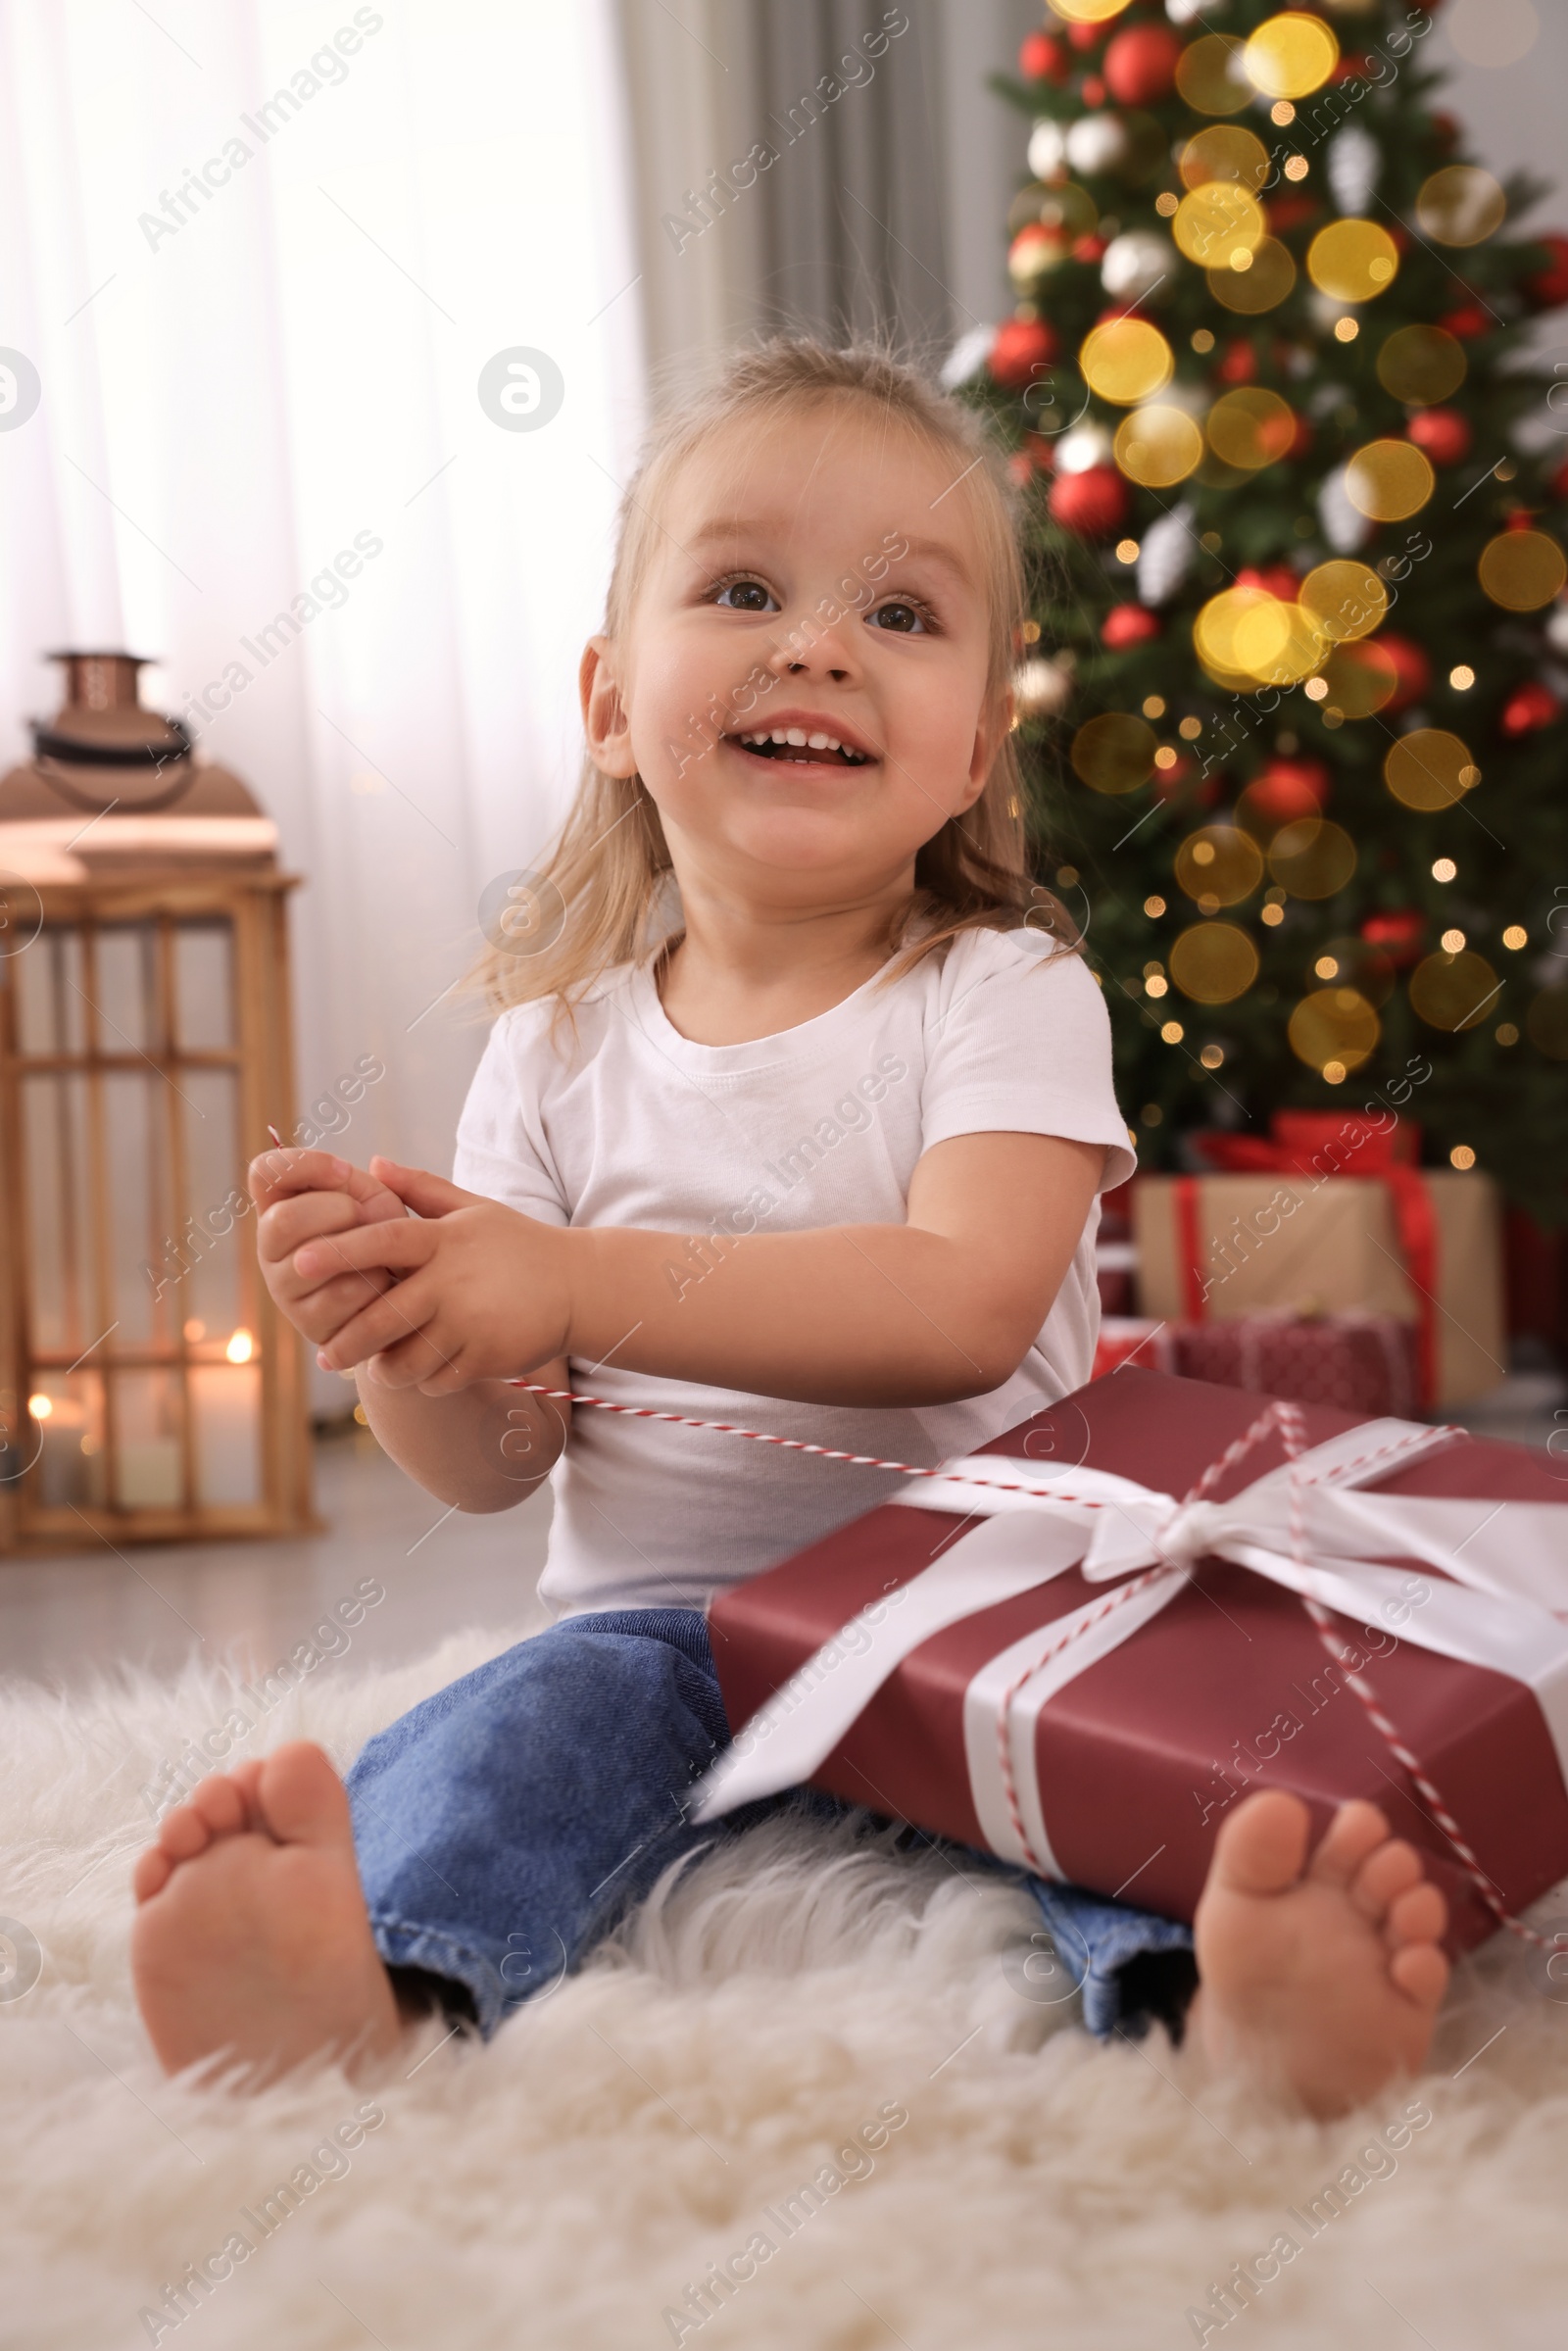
(797, 736)
(820, 743)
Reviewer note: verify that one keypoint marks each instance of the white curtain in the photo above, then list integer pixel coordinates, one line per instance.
(258, 254)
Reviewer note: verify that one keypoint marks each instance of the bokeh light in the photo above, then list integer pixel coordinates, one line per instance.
(1251, 428)
(1547, 1023)
(1213, 962)
(1359, 680)
(1422, 365)
(1224, 151)
(1430, 769)
(1211, 75)
(1115, 753)
(1389, 481)
(1219, 862)
(1462, 205)
(1354, 261)
(1217, 220)
(1268, 278)
(1126, 360)
(1158, 445)
(1291, 56)
(1522, 570)
(1453, 992)
(1346, 600)
(1312, 858)
(1334, 1026)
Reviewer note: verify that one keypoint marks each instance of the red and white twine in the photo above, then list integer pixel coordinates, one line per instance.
(1285, 1417)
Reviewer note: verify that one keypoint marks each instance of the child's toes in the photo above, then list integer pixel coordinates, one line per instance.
(1421, 1972)
(221, 1804)
(1418, 1915)
(1388, 1872)
(1261, 1846)
(1356, 1832)
(183, 1833)
(152, 1872)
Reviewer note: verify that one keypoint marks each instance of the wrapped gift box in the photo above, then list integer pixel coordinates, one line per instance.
(1220, 1248)
(1362, 1363)
(1135, 1759)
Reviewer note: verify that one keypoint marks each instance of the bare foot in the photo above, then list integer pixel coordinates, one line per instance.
(251, 1937)
(1324, 1974)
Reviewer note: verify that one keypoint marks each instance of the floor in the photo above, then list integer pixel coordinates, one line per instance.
(66, 1619)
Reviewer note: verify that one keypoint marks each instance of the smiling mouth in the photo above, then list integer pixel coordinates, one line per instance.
(797, 747)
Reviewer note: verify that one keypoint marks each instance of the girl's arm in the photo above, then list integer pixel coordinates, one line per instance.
(942, 1307)
(482, 1448)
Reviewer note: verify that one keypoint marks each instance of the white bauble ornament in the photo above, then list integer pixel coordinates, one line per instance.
(1048, 148)
(1097, 143)
(1558, 628)
(1134, 263)
(968, 357)
(1355, 166)
(1085, 445)
(1345, 527)
(1042, 689)
(1166, 554)
(1188, 11)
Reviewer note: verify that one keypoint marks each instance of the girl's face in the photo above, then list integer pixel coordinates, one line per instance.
(817, 578)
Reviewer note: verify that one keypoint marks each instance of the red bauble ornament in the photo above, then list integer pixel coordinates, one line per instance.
(1445, 126)
(1093, 91)
(1021, 345)
(1411, 669)
(1549, 287)
(1238, 362)
(1398, 935)
(1442, 433)
(1277, 578)
(1287, 790)
(1089, 249)
(1141, 64)
(1530, 708)
(1092, 503)
(1128, 624)
(1351, 68)
(1041, 59)
(1086, 37)
(1467, 321)
(1559, 480)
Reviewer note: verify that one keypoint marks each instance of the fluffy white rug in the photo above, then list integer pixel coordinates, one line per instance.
(662, 2111)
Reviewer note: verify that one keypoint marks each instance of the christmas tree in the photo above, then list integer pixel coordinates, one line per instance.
(1292, 704)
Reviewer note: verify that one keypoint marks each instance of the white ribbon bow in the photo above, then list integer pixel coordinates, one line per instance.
(1498, 1601)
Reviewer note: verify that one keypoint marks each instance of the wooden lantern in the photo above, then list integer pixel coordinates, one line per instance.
(148, 1388)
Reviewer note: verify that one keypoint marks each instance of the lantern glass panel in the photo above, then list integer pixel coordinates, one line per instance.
(204, 986)
(66, 1431)
(127, 992)
(58, 1254)
(226, 1400)
(51, 994)
(214, 1292)
(147, 1415)
(139, 1202)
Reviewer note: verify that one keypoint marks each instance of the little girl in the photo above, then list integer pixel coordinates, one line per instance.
(797, 1116)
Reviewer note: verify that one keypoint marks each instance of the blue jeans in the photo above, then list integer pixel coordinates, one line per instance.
(506, 1825)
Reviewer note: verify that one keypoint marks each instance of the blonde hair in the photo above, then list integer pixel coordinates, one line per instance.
(597, 898)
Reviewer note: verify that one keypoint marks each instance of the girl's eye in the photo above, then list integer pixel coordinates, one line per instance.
(900, 618)
(744, 596)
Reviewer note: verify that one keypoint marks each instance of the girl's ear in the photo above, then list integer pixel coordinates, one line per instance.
(603, 711)
(989, 736)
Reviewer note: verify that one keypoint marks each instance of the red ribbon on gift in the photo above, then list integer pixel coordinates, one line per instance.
(1318, 1143)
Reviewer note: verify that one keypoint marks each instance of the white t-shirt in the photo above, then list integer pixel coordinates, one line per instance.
(630, 1123)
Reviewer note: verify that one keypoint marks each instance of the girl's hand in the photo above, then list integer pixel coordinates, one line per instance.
(482, 1290)
(306, 1195)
